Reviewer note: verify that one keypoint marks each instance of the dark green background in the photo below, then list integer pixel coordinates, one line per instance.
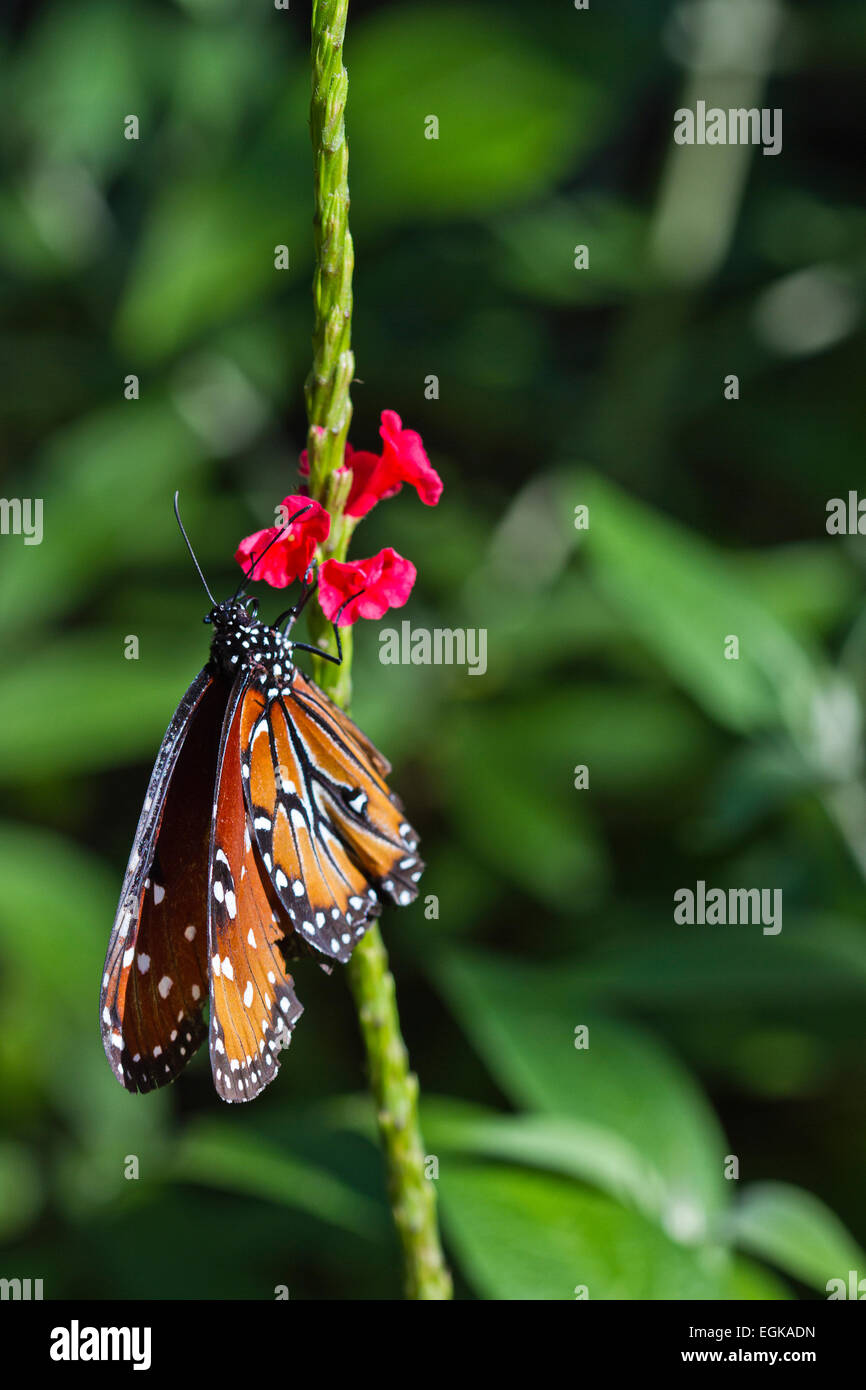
(558, 387)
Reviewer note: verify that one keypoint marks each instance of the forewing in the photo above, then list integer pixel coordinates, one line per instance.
(155, 981)
(327, 826)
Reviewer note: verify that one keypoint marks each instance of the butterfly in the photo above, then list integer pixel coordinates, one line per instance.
(268, 833)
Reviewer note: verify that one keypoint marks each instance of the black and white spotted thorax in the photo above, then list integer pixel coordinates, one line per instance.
(240, 642)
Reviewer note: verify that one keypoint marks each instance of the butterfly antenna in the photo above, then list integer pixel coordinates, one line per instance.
(257, 558)
(191, 551)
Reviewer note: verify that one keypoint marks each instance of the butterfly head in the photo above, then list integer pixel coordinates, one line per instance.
(240, 641)
(228, 615)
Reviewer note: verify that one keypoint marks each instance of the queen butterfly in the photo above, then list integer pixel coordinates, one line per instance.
(268, 832)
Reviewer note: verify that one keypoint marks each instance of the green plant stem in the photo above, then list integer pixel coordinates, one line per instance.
(395, 1087)
(329, 409)
(329, 405)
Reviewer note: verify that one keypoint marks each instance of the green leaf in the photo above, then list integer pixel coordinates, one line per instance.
(750, 1281)
(512, 117)
(85, 474)
(816, 959)
(520, 1235)
(211, 1153)
(684, 600)
(633, 741)
(72, 108)
(112, 710)
(810, 588)
(522, 1020)
(796, 1232)
(540, 243)
(208, 252)
(757, 779)
(589, 1152)
(571, 618)
(105, 1127)
(20, 1191)
(543, 841)
(56, 910)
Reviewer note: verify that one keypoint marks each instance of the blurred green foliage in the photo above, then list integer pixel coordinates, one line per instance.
(558, 1167)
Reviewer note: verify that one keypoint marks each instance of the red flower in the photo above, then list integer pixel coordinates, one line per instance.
(403, 460)
(386, 579)
(366, 489)
(376, 476)
(290, 556)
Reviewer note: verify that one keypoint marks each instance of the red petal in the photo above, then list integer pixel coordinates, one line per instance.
(367, 486)
(406, 457)
(292, 551)
(386, 578)
(403, 460)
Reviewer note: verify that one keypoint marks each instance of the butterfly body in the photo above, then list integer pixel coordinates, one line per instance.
(268, 832)
(241, 642)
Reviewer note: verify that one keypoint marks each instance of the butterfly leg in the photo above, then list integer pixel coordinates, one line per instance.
(317, 651)
(291, 615)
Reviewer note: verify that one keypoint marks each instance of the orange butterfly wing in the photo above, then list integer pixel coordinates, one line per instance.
(331, 833)
(253, 1004)
(369, 815)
